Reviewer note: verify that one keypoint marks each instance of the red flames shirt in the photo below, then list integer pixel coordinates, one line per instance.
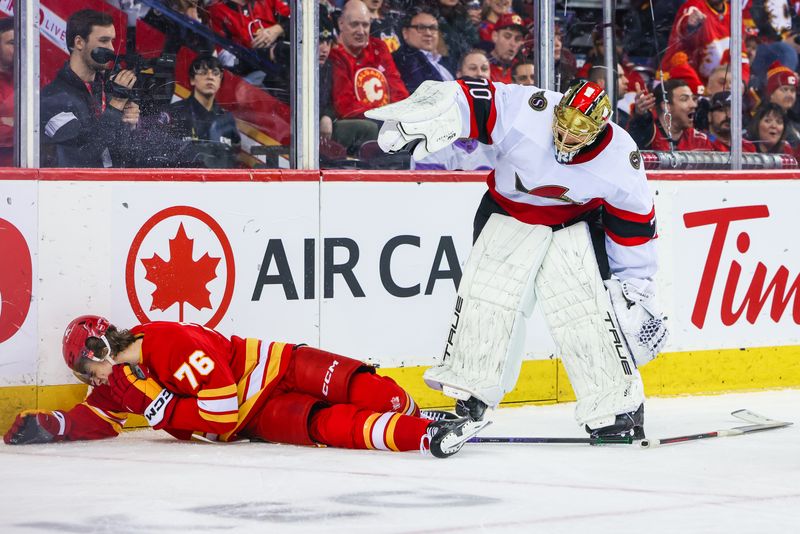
(706, 44)
(368, 81)
(240, 23)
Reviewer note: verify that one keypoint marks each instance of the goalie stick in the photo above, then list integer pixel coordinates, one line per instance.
(759, 423)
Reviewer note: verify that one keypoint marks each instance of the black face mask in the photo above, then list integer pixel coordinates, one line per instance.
(103, 55)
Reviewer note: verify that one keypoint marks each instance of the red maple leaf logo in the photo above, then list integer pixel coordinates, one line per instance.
(181, 279)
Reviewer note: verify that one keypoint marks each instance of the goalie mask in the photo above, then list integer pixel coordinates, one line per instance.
(579, 118)
(74, 343)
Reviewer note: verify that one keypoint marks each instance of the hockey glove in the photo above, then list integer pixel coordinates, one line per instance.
(425, 122)
(132, 388)
(32, 426)
(641, 321)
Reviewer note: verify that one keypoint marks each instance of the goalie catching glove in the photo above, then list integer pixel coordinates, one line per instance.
(641, 321)
(425, 122)
(140, 394)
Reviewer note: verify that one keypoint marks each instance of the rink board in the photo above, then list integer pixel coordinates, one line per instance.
(366, 264)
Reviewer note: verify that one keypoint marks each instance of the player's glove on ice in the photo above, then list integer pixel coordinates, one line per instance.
(641, 321)
(33, 426)
(132, 388)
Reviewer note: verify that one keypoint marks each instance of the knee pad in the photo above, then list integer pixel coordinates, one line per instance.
(324, 375)
(285, 419)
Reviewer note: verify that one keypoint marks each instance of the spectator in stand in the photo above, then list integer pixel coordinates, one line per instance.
(638, 38)
(326, 112)
(672, 128)
(457, 34)
(492, 11)
(522, 73)
(202, 122)
(782, 90)
(84, 121)
(364, 73)
(597, 74)
(7, 45)
(474, 64)
(565, 67)
(719, 123)
(262, 25)
(417, 59)
(702, 31)
(766, 130)
(178, 35)
(720, 79)
(680, 69)
(254, 24)
(463, 154)
(364, 76)
(474, 13)
(507, 38)
(777, 24)
(385, 24)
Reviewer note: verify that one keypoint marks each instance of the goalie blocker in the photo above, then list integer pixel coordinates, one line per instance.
(511, 266)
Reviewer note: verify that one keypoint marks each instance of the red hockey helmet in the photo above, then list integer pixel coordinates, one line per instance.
(75, 336)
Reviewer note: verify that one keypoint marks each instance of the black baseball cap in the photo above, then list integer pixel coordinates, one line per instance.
(720, 100)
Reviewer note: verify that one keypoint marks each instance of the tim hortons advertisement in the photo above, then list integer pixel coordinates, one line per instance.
(730, 269)
(18, 283)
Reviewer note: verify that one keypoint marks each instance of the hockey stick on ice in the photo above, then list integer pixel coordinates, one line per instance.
(760, 424)
(615, 440)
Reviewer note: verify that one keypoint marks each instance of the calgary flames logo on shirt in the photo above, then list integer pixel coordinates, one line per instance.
(371, 87)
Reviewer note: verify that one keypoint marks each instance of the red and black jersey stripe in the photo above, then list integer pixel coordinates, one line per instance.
(482, 111)
(629, 228)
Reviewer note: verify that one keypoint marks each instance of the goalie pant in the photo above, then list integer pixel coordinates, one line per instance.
(248, 388)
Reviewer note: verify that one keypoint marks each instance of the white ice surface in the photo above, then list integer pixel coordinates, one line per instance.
(145, 481)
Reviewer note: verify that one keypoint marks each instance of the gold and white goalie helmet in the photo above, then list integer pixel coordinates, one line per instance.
(579, 118)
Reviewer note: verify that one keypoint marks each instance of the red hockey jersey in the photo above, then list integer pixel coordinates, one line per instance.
(240, 23)
(368, 81)
(218, 382)
(691, 139)
(706, 44)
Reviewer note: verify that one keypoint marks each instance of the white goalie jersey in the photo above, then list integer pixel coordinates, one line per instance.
(533, 187)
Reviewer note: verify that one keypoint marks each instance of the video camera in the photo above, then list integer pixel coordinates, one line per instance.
(155, 77)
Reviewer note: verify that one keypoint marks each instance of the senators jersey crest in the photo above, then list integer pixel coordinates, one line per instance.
(371, 87)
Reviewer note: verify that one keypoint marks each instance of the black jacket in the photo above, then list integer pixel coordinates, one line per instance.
(415, 68)
(213, 135)
(75, 129)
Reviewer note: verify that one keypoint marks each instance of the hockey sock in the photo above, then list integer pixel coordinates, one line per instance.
(380, 394)
(351, 427)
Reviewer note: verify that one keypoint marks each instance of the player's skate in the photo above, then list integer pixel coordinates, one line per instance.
(627, 424)
(472, 407)
(446, 437)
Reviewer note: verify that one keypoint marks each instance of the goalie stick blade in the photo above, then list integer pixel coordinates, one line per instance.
(757, 419)
(736, 431)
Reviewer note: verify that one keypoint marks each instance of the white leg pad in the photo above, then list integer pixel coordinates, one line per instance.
(578, 312)
(483, 353)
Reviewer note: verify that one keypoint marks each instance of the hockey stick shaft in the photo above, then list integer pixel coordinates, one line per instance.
(585, 441)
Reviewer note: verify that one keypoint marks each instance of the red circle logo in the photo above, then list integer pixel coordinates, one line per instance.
(371, 87)
(172, 260)
(16, 280)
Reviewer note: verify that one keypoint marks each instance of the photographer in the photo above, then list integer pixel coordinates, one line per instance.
(85, 121)
(199, 120)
